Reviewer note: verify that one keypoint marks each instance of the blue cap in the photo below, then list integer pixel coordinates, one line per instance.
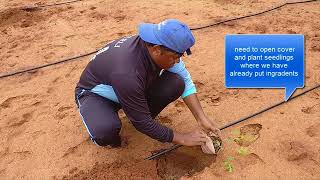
(170, 33)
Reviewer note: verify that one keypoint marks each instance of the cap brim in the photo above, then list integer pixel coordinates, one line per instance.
(146, 32)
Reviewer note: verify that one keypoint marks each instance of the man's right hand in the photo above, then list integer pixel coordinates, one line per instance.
(193, 138)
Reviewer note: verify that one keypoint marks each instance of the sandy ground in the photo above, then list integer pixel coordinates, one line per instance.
(41, 133)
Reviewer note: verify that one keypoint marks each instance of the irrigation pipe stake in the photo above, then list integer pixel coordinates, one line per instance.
(176, 146)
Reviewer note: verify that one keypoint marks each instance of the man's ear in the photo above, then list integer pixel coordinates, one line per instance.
(157, 50)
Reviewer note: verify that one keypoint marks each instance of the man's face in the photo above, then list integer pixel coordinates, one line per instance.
(165, 58)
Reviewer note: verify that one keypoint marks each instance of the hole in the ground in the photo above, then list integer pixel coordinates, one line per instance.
(120, 169)
(185, 161)
(31, 8)
(248, 134)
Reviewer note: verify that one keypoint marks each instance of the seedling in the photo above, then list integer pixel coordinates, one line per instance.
(243, 151)
(172, 178)
(228, 164)
(244, 139)
(229, 140)
(230, 158)
(235, 132)
(240, 139)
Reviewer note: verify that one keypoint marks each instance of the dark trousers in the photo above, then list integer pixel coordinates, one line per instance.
(100, 115)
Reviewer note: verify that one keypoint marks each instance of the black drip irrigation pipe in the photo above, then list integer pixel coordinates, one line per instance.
(254, 14)
(176, 146)
(46, 65)
(196, 28)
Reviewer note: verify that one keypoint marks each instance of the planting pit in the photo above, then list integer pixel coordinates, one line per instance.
(185, 161)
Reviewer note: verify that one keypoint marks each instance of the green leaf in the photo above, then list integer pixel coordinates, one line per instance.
(249, 138)
(172, 177)
(229, 158)
(243, 151)
(238, 139)
(235, 132)
(228, 166)
(229, 140)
